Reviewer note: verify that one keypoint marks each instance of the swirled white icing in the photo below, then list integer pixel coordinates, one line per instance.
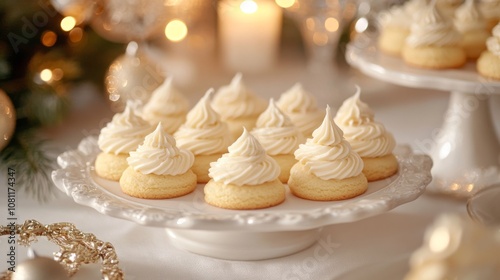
(456, 247)
(235, 101)
(167, 105)
(366, 136)
(433, 29)
(159, 155)
(490, 9)
(468, 18)
(301, 108)
(396, 16)
(493, 43)
(246, 163)
(276, 132)
(327, 154)
(447, 7)
(124, 133)
(414, 7)
(203, 133)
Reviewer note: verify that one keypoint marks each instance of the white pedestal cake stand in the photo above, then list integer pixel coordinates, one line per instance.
(198, 227)
(466, 152)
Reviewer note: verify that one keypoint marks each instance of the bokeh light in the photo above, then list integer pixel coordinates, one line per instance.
(68, 23)
(176, 30)
(249, 7)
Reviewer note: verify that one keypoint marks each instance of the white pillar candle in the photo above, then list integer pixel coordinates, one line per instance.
(249, 33)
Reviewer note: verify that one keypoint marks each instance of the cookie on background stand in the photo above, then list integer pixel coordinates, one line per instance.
(471, 23)
(433, 43)
(488, 63)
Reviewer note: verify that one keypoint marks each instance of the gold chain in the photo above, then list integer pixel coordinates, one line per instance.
(77, 248)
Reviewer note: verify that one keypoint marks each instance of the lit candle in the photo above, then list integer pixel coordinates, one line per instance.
(249, 33)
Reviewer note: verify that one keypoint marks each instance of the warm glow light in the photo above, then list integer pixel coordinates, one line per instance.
(249, 6)
(331, 24)
(48, 38)
(310, 24)
(46, 75)
(57, 74)
(470, 187)
(320, 39)
(445, 150)
(76, 35)
(68, 23)
(440, 239)
(361, 25)
(285, 3)
(176, 30)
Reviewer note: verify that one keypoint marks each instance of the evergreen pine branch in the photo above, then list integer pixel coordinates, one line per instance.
(33, 162)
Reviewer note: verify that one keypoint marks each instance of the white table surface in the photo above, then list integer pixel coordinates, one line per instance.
(414, 116)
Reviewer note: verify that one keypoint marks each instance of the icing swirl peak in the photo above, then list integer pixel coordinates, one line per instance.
(433, 29)
(396, 16)
(468, 18)
(124, 133)
(328, 155)
(159, 155)
(366, 136)
(301, 108)
(235, 100)
(246, 163)
(493, 43)
(167, 105)
(276, 132)
(354, 111)
(203, 133)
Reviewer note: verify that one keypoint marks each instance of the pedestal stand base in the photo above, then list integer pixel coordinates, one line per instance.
(466, 153)
(243, 246)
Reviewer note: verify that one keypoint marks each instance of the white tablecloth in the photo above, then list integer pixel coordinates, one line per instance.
(146, 253)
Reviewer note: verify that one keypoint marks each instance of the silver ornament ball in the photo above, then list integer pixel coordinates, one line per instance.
(40, 268)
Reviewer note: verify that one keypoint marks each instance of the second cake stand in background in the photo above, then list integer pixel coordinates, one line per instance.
(466, 151)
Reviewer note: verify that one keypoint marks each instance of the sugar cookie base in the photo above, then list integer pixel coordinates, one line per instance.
(488, 65)
(244, 197)
(306, 185)
(285, 162)
(380, 167)
(474, 43)
(111, 166)
(152, 186)
(392, 40)
(434, 57)
(201, 166)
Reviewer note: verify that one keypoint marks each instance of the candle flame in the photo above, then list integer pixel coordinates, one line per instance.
(249, 7)
(285, 3)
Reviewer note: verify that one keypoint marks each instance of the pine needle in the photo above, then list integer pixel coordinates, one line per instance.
(33, 162)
